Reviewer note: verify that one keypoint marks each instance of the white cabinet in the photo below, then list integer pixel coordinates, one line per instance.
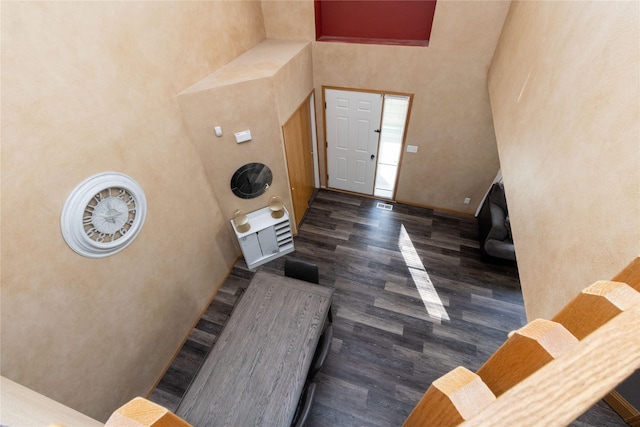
(268, 242)
(250, 247)
(267, 239)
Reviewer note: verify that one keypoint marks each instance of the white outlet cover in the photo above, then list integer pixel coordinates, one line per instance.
(412, 148)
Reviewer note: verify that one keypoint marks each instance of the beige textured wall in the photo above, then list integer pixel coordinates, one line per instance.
(289, 19)
(451, 119)
(293, 82)
(258, 91)
(89, 87)
(565, 94)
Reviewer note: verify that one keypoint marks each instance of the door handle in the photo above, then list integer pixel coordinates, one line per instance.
(377, 130)
(373, 156)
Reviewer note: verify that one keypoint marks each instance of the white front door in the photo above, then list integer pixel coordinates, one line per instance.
(353, 130)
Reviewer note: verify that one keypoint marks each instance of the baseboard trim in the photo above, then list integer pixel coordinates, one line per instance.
(436, 208)
(626, 410)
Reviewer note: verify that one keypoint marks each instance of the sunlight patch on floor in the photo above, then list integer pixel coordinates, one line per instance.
(421, 279)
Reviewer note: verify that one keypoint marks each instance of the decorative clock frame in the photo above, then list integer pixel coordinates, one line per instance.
(103, 214)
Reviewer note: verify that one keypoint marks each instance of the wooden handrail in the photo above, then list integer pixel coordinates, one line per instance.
(548, 372)
(565, 388)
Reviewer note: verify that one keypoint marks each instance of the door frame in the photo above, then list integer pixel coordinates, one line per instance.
(314, 137)
(404, 133)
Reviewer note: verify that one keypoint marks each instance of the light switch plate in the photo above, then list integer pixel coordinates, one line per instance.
(243, 136)
(412, 148)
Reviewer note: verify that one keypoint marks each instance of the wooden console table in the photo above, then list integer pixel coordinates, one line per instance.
(257, 369)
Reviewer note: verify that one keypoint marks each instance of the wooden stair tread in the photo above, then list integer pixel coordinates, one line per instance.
(525, 351)
(595, 306)
(451, 399)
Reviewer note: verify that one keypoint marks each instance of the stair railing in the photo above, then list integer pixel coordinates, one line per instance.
(548, 372)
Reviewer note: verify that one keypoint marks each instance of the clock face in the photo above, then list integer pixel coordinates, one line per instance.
(109, 215)
(103, 215)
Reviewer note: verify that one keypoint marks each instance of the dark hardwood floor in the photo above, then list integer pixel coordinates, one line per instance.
(412, 301)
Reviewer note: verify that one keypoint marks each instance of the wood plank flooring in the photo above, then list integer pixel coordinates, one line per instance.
(412, 301)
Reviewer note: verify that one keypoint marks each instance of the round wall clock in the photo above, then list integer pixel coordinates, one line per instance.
(103, 214)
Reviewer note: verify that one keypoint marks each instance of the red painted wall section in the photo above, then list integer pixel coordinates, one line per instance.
(395, 21)
(318, 14)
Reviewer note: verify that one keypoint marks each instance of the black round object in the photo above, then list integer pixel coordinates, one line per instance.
(251, 180)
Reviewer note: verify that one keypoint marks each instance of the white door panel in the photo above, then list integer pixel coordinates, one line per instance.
(353, 123)
(342, 136)
(362, 137)
(342, 169)
(361, 172)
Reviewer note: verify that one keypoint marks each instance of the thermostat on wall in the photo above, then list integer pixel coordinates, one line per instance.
(243, 136)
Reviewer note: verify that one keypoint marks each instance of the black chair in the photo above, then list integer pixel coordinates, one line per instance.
(322, 351)
(496, 241)
(303, 410)
(303, 270)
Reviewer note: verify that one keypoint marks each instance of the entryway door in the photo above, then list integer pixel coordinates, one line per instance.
(352, 121)
(298, 142)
